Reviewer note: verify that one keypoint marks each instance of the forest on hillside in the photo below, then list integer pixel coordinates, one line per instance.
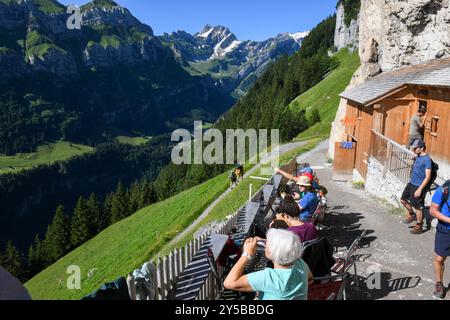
(265, 105)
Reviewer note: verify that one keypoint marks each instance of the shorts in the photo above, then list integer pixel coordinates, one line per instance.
(411, 140)
(408, 195)
(442, 241)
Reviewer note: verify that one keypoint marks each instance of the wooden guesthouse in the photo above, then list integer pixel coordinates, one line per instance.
(379, 113)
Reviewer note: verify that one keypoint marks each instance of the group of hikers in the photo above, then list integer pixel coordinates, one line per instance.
(288, 276)
(423, 176)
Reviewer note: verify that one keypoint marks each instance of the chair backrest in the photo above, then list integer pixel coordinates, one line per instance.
(355, 245)
(318, 255)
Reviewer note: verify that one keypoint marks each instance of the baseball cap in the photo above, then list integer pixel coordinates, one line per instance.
(419, 143)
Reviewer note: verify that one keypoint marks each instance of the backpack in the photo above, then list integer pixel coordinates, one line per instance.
(445, 193)
(434, 171)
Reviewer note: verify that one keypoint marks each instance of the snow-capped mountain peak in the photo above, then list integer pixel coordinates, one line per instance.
(299, 36)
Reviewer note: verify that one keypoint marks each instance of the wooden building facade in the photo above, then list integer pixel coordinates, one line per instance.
(379, 113)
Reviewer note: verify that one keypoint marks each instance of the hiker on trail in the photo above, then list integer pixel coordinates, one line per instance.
(290, 213)
(239, 170)
(413, 198)
(440, 209)
(233, 179)
(417, 126)
(236, 175)
(309, 202)
(288, 280)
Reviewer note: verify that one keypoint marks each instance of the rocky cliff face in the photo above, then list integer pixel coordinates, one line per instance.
(394, 34)
(346, 36)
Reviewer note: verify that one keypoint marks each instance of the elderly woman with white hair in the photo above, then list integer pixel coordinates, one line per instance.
(287, 281)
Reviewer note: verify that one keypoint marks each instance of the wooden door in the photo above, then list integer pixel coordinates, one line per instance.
(344, 162)
(397, 120)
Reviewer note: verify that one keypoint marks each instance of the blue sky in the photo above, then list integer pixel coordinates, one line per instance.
(247, 19)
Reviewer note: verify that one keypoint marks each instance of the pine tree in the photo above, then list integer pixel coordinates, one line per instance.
(315, 117)
(148, 195)
(95, 214)
(166, 190)
(81, 231)
(36, 261)
(134, 195)
(107, 209)
(119, 209)
(13, 262)
(57, 239)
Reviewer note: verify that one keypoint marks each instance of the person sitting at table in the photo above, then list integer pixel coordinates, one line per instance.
(309, 202)
(288, 280)
(290, 214)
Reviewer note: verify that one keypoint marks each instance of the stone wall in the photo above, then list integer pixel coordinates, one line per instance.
(388, 188)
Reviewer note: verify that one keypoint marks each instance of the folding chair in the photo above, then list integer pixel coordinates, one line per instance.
(328, 288)
(343, 264)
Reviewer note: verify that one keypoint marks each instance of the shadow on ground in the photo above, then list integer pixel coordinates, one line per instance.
(379, 285)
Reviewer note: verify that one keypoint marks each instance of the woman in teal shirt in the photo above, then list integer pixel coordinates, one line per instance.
(287, 281)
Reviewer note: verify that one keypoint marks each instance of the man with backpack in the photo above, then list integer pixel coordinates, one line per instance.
(413, 198)
(440, 209)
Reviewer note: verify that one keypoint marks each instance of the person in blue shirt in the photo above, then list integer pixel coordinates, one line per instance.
(413, 197)
(288, 280)
(440, 209)
(309, 202)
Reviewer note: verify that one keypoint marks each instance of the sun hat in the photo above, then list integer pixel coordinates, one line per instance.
(304, 181)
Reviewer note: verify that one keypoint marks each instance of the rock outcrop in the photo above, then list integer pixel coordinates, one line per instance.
(346, 36)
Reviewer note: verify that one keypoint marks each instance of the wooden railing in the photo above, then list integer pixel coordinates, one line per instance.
(394, 157)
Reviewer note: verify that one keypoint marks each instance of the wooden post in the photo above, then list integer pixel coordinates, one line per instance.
(166, 269)
(160, 279)
(387, 162)
(250, 193)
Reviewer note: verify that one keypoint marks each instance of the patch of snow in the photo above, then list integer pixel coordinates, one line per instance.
(220, 52)
(206, 33)
(231, 47)
(299, 35)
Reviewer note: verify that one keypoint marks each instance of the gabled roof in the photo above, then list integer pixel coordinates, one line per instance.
(433, 73)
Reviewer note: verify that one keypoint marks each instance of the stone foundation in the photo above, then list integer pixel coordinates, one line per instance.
(388, 187)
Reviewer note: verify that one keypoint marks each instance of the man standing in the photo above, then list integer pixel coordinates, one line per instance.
(413, 198)
(417, 125)
(440, 209)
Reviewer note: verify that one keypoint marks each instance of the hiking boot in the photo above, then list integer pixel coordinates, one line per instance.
(410, 219)
(439, 291)
(417, 229)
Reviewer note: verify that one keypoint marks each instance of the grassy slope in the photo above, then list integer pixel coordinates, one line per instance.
(49, 153)
(325, 95)
(127, 244)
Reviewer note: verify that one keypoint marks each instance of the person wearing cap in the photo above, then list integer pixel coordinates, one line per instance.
(440, 209)
(413, 197)
(417, 125)
(309, 202)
